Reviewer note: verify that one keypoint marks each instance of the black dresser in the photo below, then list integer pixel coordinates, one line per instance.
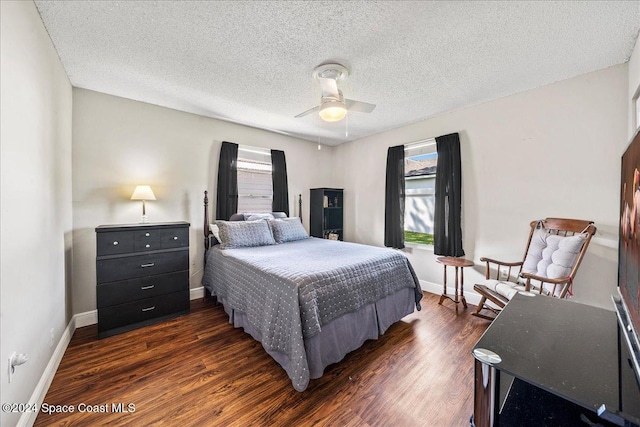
(142, 275)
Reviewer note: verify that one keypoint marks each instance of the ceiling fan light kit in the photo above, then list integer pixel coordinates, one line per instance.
(333, 111)
(333, 106)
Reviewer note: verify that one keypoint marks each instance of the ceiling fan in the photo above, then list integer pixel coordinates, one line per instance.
(333, 105)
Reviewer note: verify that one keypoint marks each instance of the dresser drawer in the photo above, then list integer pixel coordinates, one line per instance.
(142, 310)
(146, 240)
(174, 238)
(144, 287)
(114, 242)
(131, 267)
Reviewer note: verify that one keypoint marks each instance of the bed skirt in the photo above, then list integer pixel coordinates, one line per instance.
(340, 336)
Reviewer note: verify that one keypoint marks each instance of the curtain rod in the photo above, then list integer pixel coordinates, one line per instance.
(419, 144)
(257, 150)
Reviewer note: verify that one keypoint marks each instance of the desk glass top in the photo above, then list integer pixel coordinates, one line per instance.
(566, 348)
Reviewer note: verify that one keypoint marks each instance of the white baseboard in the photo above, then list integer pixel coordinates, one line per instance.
(38, 395)
(436, 288)
(87, 318)
(77, 321)
(196, 293)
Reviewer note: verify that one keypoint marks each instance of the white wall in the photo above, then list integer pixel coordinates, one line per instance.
(552, 151)
(634, 88)
(35, 198)
(118, 143)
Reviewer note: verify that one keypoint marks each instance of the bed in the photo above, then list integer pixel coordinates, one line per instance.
(309, 301)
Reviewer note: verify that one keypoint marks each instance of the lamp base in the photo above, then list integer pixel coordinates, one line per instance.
(144, 219)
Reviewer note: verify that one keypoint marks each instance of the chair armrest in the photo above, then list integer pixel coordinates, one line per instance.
(564, 281)
(507, 264)
(557, 281)
(489, 261)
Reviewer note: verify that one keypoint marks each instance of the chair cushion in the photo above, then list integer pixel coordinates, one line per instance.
(552, 256)
(509, 289)
(504, 288)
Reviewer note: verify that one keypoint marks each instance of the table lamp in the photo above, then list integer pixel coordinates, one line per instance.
(143, 192)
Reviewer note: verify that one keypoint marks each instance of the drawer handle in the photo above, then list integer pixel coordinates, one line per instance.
(115, 243)
(147, 265)
(175, 237)
(144, 288)
(147, 234)
(149, 308)
(147, 246)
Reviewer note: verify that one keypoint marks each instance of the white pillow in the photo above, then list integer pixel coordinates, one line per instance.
(215, 231)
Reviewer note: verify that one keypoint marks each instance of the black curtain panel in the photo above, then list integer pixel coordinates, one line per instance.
(227, 200)
(394, 199)
(280, 183)
(447, 239)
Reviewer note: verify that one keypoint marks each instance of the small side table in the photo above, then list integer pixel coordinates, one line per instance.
(457, 263)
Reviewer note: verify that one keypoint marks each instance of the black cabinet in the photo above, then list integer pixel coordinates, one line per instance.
(142, 275)
(325, 214)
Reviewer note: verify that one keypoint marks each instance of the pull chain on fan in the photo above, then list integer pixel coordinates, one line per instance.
(346, 126)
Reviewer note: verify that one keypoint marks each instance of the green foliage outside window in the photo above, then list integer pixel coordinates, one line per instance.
(420, 238)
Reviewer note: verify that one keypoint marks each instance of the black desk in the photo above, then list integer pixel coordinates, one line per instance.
(560, 363)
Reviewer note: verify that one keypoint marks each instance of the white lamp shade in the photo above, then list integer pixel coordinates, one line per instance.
(333, 111)
(143, 192)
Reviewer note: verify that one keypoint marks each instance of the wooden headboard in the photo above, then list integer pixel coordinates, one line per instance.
(206, 229)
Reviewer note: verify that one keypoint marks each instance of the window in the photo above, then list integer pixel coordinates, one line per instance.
(255, 186)
(420, 164)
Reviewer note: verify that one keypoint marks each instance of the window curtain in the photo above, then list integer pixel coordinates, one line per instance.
(394, 198)
(227, 199)
(448, 207)
(280, 184)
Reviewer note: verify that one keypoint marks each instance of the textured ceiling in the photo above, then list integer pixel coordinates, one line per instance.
(251, 62)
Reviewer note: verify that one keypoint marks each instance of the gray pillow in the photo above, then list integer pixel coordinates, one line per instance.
(287, 229)
(242, 234)
(254, 216)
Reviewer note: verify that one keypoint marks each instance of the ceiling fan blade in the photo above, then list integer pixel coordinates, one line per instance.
(329, 88)
(309, 111)
(359, 106)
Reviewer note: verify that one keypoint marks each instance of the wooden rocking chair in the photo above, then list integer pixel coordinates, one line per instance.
(553, 254)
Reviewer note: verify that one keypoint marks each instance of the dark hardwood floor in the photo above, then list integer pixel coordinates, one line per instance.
(198, 370)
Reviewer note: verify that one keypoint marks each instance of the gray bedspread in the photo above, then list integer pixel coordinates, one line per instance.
(288, 291)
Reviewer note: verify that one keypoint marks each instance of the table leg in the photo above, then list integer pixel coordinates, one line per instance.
(455, 296)
(464, 301)
(444, 292)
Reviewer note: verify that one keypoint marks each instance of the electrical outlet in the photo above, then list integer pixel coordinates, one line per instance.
(16, 360)
(9, 367)
(51, 338)
(504, 273)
